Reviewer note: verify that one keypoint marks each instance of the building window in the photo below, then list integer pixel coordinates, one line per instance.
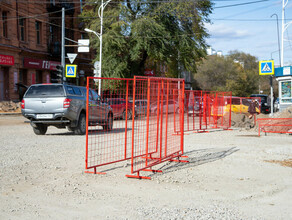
(22, 29)
(4, 23)
(38, 27)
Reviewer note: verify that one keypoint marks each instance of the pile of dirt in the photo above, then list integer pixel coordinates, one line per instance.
(242, 121)
(287, 113)
(282, 125)
(10, 107)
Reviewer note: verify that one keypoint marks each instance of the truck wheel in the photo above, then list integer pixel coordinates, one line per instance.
(109, 123)
(81, 127)
(40, 129)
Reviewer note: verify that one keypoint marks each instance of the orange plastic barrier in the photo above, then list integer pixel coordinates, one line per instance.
(274, 125)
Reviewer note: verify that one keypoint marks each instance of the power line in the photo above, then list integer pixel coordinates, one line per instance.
(240, 4)
(249, 11)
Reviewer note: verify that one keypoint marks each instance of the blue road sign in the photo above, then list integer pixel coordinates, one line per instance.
(266, 67)
(71, 70)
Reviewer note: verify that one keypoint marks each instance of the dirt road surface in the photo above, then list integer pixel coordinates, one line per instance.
(228, 177)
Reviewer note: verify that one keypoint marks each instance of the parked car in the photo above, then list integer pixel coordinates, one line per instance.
(173, 106)
(265, 105)
(141, 107)
(240, 105)
(62, 106)
(195, 106)
(120, 106)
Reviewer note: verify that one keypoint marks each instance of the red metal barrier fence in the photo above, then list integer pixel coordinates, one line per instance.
(145, 112)
(153, 141)
(274, 125)
(206, 110)
(106, 145)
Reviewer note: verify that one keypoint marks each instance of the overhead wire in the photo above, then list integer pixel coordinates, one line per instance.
(105, 17)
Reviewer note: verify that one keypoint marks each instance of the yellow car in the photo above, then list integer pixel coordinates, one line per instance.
(240, 105)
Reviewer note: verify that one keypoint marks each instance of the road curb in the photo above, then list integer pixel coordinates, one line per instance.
(10, 113)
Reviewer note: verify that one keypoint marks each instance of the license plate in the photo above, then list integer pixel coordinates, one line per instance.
(44, 116)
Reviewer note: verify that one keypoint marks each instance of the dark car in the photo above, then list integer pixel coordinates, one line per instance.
(265, 103)
(120, 107)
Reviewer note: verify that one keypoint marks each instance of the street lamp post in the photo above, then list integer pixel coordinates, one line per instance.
(278, 39)
(99, 35)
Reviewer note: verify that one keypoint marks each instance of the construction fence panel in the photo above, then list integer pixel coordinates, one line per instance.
(106, 143)
(206, 110)
(221, 111)
(154, 138)
(194, 109)
(274, 125)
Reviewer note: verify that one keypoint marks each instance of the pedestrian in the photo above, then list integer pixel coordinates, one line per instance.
(252, 109)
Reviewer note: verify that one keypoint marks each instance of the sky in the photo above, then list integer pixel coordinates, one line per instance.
(249, 28)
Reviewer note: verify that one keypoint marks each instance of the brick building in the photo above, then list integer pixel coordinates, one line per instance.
(30, 43)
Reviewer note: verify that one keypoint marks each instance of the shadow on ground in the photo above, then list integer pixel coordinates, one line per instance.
(198, 157)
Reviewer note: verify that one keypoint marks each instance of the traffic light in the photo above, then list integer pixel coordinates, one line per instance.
(60, 70)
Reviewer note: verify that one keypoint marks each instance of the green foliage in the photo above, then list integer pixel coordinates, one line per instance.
(223, 74)
(136, 32)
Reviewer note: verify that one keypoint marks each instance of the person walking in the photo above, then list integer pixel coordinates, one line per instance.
(252, 109)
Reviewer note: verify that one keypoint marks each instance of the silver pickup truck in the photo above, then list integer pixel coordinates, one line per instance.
(62, 106)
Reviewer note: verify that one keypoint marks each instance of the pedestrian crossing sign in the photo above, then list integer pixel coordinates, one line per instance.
(266, 67)
(71, 70)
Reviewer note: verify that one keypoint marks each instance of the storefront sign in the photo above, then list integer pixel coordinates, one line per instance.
(6, 60)
(283, 71)
(40, 64)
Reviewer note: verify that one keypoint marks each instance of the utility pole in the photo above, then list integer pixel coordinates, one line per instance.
(63, 46)
(99, 35)
(283, 27)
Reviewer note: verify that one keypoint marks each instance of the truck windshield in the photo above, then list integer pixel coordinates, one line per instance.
(45, 91)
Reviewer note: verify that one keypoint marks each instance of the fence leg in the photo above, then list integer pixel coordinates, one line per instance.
(138, 176)
(94, 172)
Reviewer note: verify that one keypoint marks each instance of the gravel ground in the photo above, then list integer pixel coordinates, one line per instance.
(42, 177)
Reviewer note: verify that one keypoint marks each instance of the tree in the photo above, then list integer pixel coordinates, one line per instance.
(251, 66)
(223, 74)
(162, 33)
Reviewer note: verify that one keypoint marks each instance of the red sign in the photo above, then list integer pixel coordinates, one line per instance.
(148, 72)
(40, 64)
(6, 60)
